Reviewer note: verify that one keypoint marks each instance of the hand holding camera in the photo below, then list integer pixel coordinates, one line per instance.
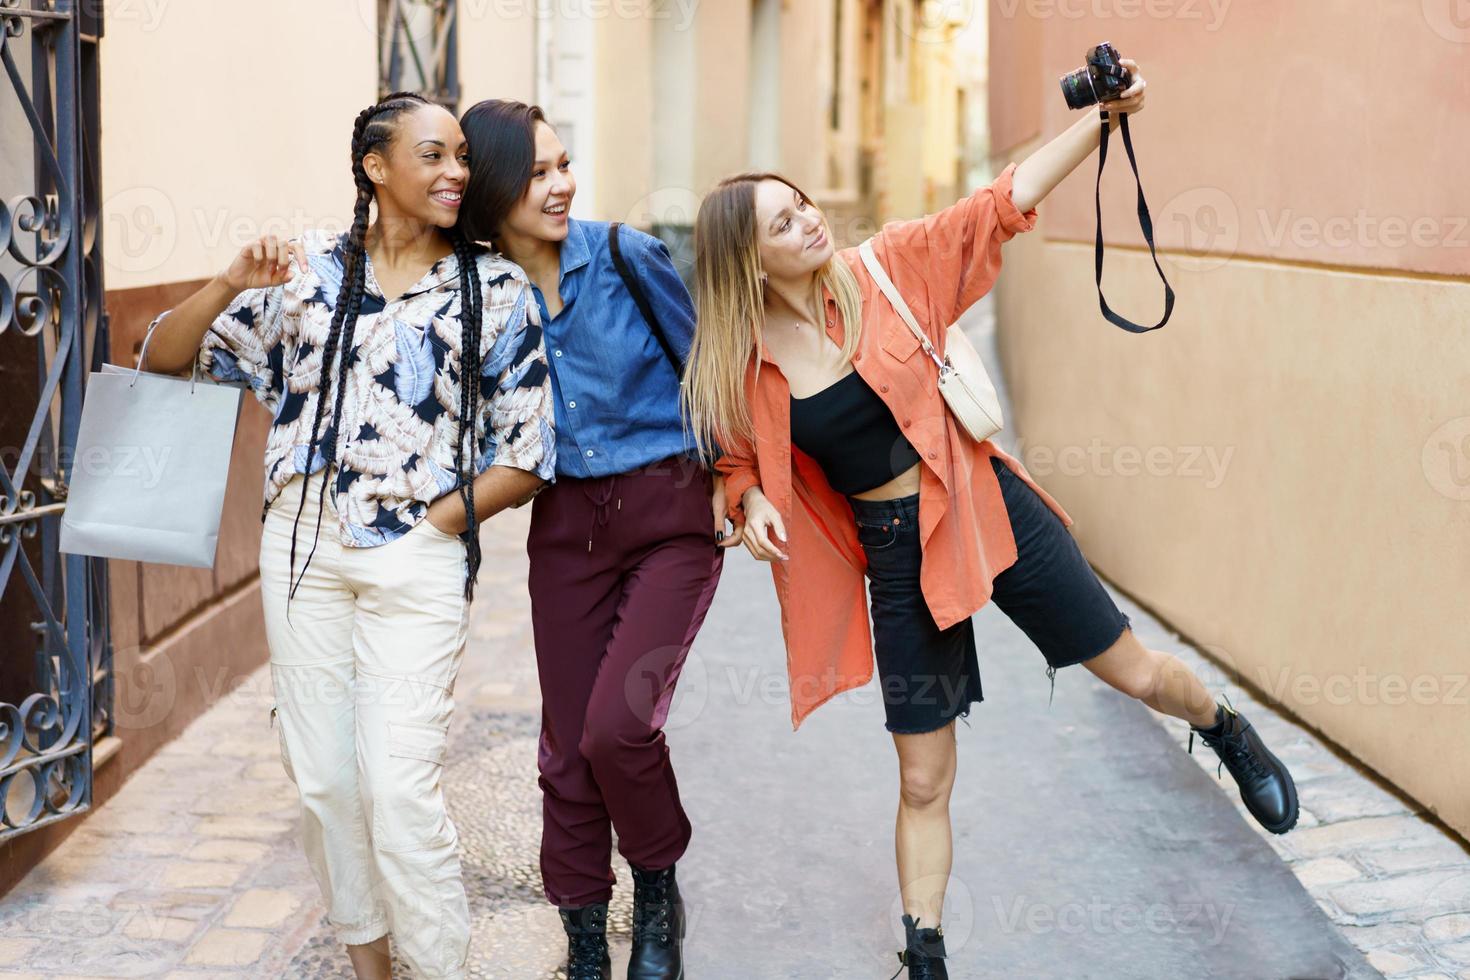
(1107, 80)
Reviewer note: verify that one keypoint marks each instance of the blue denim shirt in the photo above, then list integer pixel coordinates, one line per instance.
(616, 394)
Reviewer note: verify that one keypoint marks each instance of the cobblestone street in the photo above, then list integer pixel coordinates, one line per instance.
(1088, 844)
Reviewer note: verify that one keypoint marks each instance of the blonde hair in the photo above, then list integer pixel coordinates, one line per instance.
(731, 309)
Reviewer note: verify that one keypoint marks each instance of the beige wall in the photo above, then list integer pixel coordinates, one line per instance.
(1282, 472)
(806, 73)
(1334, 168)
(722, 37)
(497, 52)
(698, 117)
(623, 108)
(1015, 76)
(222, 121)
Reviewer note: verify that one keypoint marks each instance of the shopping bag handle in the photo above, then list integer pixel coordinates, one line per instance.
(143, 353)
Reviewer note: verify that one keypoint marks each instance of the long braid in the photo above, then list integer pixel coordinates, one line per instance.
(469, 397)
(372, 129)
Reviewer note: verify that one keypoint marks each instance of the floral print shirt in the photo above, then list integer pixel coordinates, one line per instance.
(400, 412)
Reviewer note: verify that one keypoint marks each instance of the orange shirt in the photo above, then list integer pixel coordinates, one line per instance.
(942, 264)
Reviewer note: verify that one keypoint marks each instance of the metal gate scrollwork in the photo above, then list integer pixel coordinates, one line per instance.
(55, 648)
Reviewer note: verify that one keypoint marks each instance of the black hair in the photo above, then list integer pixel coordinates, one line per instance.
(374, 131)
(501, 134)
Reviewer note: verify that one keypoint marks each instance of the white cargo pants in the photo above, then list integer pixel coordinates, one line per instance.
(364, 677)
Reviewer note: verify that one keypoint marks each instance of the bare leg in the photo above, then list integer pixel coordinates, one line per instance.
(371, 961)
(1163, 682)
(926, 766)
(1160, 680)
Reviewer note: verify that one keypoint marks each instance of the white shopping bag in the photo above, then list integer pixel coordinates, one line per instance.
(152, 460)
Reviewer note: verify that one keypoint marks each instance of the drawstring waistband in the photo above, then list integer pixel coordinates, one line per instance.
(600, 492)
(1051, 672)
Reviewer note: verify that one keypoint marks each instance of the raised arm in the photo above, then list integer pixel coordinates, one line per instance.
(262, 264)
(944, 262)
(1043, 170)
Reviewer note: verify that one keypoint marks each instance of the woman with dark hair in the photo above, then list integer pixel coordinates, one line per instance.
(428, 350)
(625, 547)
(844, 463)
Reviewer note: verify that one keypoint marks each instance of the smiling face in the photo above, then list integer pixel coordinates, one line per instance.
(791, 232)
(541, 213)
(420, 174)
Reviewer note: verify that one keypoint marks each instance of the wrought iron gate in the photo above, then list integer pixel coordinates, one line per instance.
(55, 648)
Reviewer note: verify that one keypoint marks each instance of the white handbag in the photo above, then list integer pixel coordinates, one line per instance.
(964, 383)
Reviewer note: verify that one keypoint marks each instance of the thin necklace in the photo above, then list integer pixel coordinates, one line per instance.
(796, 322)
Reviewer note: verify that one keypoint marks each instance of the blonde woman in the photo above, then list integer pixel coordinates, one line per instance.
(841, 461)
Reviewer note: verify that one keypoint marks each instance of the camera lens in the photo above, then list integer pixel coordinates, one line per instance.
(1077, 89)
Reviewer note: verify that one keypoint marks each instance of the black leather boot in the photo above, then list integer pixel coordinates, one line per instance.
(587, 956)
(1265, 785)
(923, 953)
(658, 926)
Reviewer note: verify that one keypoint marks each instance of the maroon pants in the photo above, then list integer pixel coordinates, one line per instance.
(622, 571)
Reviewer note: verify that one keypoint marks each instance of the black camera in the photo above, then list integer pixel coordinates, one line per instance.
(1101, 79)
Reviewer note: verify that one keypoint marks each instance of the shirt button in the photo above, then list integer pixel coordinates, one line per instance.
(933, 455)
(589, 452)
(558, 353)
(907, 423)
(572, 403)
(884, 388)
(858, 356)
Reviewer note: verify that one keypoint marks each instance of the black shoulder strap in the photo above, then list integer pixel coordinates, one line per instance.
(1144, 222)
(640, 298)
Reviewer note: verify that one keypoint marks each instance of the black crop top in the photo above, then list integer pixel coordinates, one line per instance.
(852, 435)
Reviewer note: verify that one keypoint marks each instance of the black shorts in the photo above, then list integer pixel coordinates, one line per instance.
(928, 676)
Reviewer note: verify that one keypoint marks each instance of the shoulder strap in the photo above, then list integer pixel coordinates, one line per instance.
(895, 298)
(644, 307)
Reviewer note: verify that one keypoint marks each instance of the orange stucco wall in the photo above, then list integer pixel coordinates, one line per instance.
(1282, 472)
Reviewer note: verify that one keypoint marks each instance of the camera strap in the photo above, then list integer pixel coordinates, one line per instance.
(1144, 222)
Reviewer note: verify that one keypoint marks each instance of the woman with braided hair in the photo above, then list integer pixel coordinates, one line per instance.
(405, 365)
